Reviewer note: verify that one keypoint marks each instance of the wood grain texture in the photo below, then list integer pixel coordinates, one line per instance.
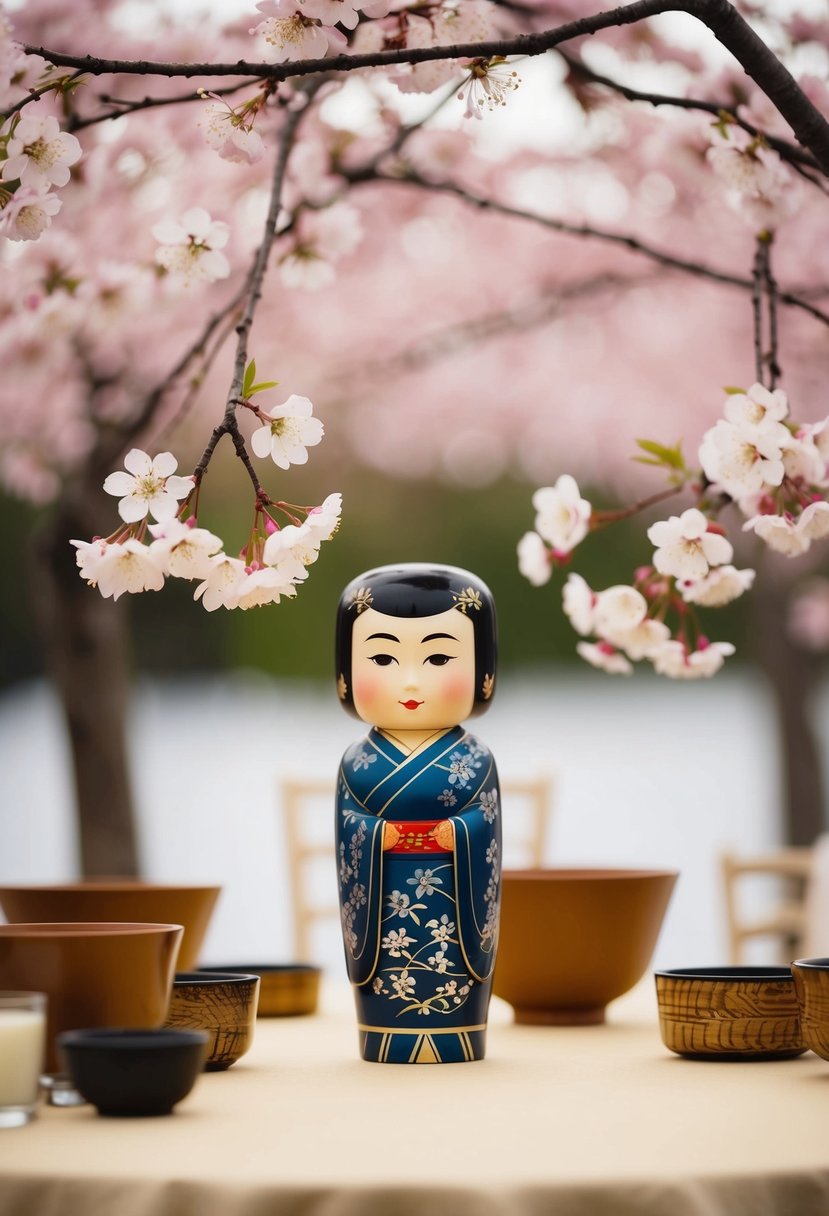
(729, 1017)
(226, 1011)
(812, 988)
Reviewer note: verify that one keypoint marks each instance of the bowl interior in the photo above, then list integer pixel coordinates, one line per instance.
(747, 974)
(113, 1039)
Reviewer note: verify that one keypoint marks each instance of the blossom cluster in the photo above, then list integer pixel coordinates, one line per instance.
(759, 186)
(308, 29)
(36, 156)
(275, 559)
(775, 471)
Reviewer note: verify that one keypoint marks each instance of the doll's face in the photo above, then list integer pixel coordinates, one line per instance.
(414, 673)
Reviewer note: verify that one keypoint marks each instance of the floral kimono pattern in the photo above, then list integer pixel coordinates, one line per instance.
(420, 922)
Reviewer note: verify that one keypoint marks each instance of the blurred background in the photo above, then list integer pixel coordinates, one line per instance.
(458, 360)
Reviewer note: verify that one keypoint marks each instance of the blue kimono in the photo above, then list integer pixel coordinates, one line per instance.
(420, 922)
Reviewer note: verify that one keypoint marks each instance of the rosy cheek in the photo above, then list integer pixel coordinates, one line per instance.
(457, 687)
(366, 690)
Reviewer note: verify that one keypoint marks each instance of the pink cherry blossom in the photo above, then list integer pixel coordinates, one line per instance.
(189, 249)
(641, 641)
(148, 486)
(289, 433)
(27, 214)
(221, 582)
(324, 520)
(685, 548)
(578, 602)
(617, 610)
(290, 34)
(231, 134)
(39, 153)
(756, 406)
(743, 459)
(780, 533)
(487, 87)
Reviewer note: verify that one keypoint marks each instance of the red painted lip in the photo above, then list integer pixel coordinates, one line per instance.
(410, 704)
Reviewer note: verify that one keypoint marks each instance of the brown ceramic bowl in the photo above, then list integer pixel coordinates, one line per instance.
(573, 940)
(285, 989)
(729, 1013)
(118, 900)
(811, 982)
(100, 974)
(222, 1003)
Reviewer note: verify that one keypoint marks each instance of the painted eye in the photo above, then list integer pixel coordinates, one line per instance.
(383, 660)
(439, 660)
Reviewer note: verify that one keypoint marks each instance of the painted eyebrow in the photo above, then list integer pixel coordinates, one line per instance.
(388, 636)
(432, 637)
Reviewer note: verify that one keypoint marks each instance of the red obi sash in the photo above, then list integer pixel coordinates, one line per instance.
(415, 837)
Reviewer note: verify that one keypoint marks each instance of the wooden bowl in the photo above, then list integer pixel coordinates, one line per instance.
(100, 974)
(729, 1013)
(285, 989)
(118, 900)
(133, 1072)
(811, 982)
(221, 1003)
(573, 940)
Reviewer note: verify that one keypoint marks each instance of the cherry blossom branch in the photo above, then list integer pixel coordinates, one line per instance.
(765, 289)
(147, 103)
(60, 84)
(253, 290)
(601, 519)
(587, 231)
(721, 17)
(784, 147)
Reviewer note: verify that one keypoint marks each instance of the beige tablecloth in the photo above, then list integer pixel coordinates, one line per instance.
(570, 1122)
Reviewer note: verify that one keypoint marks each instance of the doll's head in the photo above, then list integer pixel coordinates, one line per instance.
(416, 646)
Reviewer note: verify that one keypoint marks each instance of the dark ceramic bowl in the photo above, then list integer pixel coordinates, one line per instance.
(285, 989)
(221, 1003)
(729, 1013)
(133, 1072)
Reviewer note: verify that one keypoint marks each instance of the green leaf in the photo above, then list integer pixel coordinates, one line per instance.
(672, 457)
(731, 390)
(250, 376)
(647, 460)
(260, 388)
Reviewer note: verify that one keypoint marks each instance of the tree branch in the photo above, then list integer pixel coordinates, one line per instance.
(147, 103)
(784, 147)
(59, 84)
(253, 290)
(585, 231)
(727, 25)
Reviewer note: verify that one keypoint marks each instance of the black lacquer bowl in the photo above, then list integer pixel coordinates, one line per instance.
(133, 1072)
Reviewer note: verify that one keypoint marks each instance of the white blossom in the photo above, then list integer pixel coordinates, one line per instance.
(189, 249)
(760, 187)
(578, 600)
(183, 550)
(219, 587)
(148, 486)
(291, 430)
(563, 516)
(642, 640)
(128, 566)
(719, 587)
(89, 558)
(534, 559)
(757, 406)
(674, 660)
(684, 546)
(324, 520)
(780, 533)
(487, 86)
(231, 134)
(813, 523)
(605, 657)
(290, 35)
(266, 584)
(39, 153)
(744, 459)
(618, 609)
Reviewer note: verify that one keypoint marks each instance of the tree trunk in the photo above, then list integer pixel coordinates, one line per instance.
(794, 675)
(85, 643)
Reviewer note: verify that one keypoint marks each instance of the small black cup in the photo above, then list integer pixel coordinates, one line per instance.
(133, 1072)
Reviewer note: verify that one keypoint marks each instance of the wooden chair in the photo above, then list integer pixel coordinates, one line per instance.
(785, 922)
(308, 804)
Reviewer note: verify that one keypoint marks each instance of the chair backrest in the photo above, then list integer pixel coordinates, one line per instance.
(307, 808)
(780, 918)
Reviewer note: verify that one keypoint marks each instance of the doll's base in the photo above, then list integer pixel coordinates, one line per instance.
(589, 1015)
(438, 1046)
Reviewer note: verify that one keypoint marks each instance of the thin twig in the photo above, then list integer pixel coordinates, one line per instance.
(757, 289)
(775, 371)
(35, 94)
(626, 241)
(148, 103)
(721, 17)
(253, 291)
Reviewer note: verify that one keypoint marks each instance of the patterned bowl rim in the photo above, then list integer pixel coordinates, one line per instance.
(736, 974)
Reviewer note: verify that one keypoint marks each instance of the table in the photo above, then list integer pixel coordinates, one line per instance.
(582, 1121)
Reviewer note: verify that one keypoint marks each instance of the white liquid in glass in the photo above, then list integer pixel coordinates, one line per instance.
(22, 1037)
